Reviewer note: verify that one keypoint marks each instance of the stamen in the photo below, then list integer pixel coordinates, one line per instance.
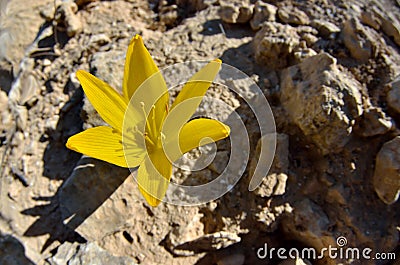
(153, 120)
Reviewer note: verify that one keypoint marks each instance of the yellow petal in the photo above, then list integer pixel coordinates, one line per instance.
(153, 177)
(197, 85)
(138, 66)
(107, 101)
(104, 143)
(201, 131)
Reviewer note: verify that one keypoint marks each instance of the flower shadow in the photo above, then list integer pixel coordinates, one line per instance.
(87, 182)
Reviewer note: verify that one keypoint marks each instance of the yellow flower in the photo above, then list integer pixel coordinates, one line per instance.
(144, 130)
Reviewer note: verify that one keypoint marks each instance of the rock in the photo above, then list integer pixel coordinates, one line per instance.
(373, 122)
(181, 236)
(109, 67)
(325, 28)
(379, 18)
(357, 40)
(303, 54)
(309, 224)
(215, 241)
(263, 12)
(236, 12)
(387, 171)
(274, 45)
(393, 96)
(88, 253)
(92, 176)
(5, 116)
(293, 15)
(99, 40)
(266, 218)
(65, 16)
(275, 182)
(322, 100)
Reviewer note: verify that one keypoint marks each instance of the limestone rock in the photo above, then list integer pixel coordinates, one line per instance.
(325, 28)
(322, 100)
(309, 224)
(275, 182)
(356, 39)
(215, 241)
(89, 253)
(66, 16)
(236, 12)
(393, 96)
(274, 43)
(77, 201)
(109, 67)
(387, 171)
(378, 18)
(373, 122)
(293, 15)
(263, 12)
(181, 236)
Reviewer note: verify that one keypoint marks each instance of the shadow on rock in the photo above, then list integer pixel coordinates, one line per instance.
(232, 31)
(12, 251)
(88, 182)
(91, 183)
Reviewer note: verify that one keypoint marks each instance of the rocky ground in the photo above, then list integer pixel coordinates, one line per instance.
(328, 69)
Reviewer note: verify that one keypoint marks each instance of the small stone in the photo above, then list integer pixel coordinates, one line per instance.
(46, 62)
(65, 15)
(99, 40)
(273, 184)
(373, 122)
(280, 186)
(274, 44)
(325, 28)
(310, 39)
(236, 12)
(263, 12)
(387, 168)
(293, 15)
(370, 19)
(229, 13)
(299, 56)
